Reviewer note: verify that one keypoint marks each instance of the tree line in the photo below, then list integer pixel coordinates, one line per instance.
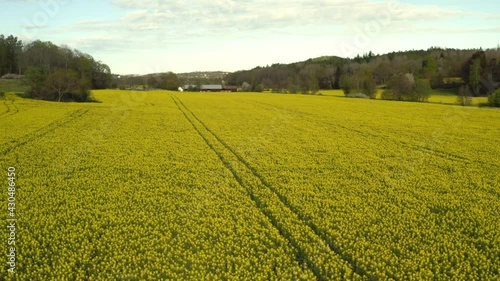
(154, 81)
(408, 75)
(53, 72)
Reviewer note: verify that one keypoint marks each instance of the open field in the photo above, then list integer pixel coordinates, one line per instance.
(437, 96)
(450, 97)
(9, 85)
(224, 186)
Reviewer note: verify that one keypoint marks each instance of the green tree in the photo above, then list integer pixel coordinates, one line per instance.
(348, 83)
(258, 88)
(34, 78)
(101, 75)
(422, 90)
(474, 72)
(85, 66)
(475, 77)
(429, 67)
(169, 81)
(369, 87)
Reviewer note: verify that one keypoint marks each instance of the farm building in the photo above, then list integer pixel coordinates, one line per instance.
(230, 88)
(211, 88)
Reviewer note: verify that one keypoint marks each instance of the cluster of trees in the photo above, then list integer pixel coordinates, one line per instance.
(301, 77)
(163, 81)
(169, 80)
(480, 74)
(405, 75)
(53, 72)
(358, 80)
(406, 87)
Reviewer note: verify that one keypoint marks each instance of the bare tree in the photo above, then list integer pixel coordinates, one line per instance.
(62, 82)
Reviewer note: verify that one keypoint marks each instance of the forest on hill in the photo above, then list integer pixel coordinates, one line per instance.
(477, 71)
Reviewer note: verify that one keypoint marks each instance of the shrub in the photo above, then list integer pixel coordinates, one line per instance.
(388, 94)
(494, 99)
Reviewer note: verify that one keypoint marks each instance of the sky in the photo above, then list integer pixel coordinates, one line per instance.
(151, 36)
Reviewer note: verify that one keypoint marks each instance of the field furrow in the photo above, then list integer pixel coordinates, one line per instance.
(370, 134)
(14, 144)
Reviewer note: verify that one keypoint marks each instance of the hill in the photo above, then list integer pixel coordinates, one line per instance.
(203, 75)
(444, 68)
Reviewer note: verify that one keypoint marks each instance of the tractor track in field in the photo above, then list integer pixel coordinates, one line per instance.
(14, 105)
(14, 144)
(7, 106)
(252, 196)
(10, 110)
(439, 153)
(318, 233)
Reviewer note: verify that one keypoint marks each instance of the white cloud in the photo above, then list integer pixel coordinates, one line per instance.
(285, 13)
(94, 25)
(167, 20)
(234, 29)
(33, 26)
(462, 29)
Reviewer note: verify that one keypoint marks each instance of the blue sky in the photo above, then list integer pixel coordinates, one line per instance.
(137, 37)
